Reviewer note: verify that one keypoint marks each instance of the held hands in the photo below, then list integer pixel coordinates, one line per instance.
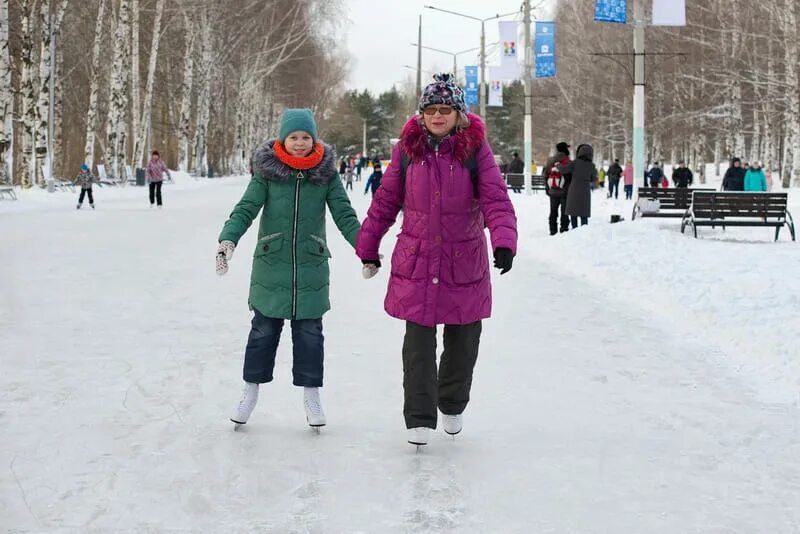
(503, 259)
(224, 255)
(371, 267)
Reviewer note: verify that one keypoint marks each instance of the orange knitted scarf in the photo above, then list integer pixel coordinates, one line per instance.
(302, 163)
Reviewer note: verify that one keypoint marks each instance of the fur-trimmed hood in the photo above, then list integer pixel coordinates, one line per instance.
(414, 138)
(267, 165)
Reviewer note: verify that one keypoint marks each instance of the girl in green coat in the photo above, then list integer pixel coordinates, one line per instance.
(294, 179)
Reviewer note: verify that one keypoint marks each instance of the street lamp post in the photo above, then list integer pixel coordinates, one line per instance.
(454, 54)
(482, 91)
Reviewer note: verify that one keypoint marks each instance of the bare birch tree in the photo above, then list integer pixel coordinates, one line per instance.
(6, 96)
(117, 125)
(144, 122)
(94, 87)
(184, 125)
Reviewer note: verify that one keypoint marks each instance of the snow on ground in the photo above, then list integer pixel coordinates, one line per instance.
(632, 380)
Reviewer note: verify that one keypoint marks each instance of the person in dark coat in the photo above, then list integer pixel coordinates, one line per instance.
(374, 180)
(516, 167)
(579, 194)
(557, 185)
(734, 176)
(614, 174)
(655, 175)
(682, 177)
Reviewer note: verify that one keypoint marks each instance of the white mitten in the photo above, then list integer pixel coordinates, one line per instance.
(371, 269)
(224, 255)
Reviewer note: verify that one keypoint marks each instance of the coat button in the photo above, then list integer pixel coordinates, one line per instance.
(435, 280)
(438, 239)
(266, 248)
(321, 250)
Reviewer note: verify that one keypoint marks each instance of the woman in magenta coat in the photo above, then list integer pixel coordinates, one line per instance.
(444, 177)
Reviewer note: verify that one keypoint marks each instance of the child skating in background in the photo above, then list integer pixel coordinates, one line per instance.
(374, 180)
(85, 179)
(294, 180)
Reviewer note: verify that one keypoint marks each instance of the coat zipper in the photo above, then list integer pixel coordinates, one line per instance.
(294, 243)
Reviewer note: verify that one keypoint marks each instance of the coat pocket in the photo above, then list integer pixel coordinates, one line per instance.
(405, 256)
(268, 247)
(318, 249)
(469, 261)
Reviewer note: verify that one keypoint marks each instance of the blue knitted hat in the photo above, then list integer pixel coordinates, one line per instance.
(294, 120)
(84, 167)
(443, 91)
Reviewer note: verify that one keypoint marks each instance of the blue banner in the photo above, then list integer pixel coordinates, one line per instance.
(611, 11)
(471, 86)
(545, 49)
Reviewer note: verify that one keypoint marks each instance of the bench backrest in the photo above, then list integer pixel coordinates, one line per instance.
(675, 198)
(717, 204)
(518, 180)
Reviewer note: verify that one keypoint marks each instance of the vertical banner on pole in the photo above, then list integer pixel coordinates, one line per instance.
(545, 49)
(669, 12)
(509, 52)
(611, 11)
(495, 88)
(471, 85)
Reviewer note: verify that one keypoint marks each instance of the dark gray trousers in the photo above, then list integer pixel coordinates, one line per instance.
(424, 387)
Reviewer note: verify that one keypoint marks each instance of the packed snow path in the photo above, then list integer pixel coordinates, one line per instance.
(121, 359)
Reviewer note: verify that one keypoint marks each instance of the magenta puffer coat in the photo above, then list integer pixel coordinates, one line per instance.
(440, 264)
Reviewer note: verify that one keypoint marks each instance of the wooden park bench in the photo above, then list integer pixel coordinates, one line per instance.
(717, 208)
(517, 181)
(673, 202)
(104, 178)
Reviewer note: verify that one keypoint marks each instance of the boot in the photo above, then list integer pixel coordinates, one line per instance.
(452, 423)
(245, 407)
(418, 436)
(314, 414)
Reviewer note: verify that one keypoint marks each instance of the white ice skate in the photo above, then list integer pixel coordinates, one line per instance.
(314, 414)
(418, 436)
(245, 407)
(452, 424)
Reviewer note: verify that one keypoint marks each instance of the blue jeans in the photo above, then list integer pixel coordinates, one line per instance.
(307, 348)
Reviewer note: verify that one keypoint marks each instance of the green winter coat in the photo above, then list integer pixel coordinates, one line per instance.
(290, 277)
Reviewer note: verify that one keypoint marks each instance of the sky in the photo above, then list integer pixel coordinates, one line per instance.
(380, 32)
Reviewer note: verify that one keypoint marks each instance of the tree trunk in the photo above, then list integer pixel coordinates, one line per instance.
(94, 88)
(43, 97)
(135, 83)
(6, 99)
(117, 126)
(141, 135)
(791, 165)
(27, 88)
(58, 108)
(186, 97)
(200, 160)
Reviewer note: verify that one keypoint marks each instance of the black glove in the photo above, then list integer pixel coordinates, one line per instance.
(376, 263)
(503, 258)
